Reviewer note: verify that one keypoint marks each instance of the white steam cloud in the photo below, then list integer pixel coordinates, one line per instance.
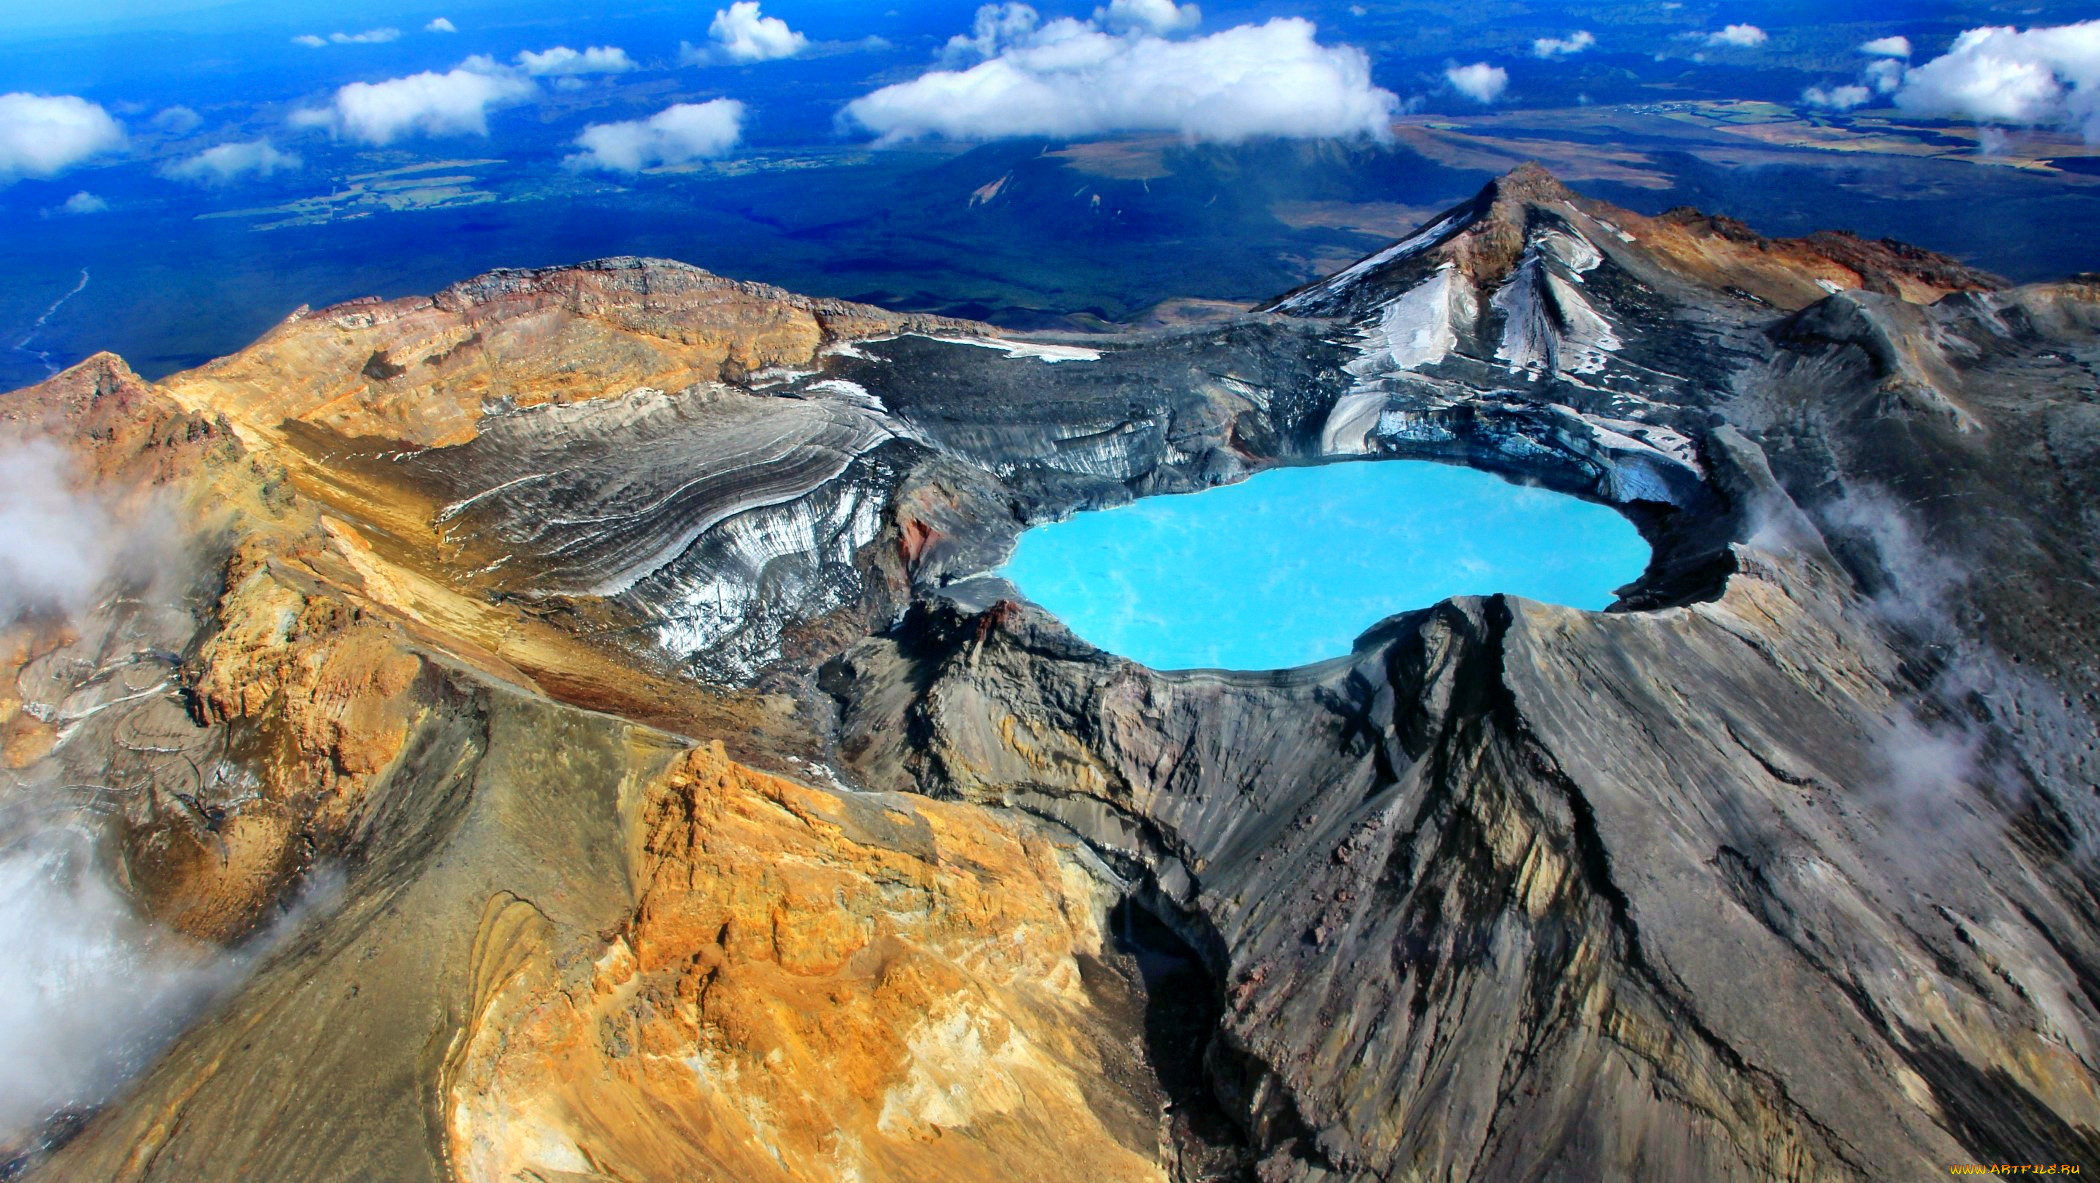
(1480, 82)
(88, 991)
(1158, 17)
(433, 104)
(1069, 79)
(1738, 37)
(2034, 77)
(44, 135)
(563, 61)
(742, 35)
(228, 163)
(56, 547)
(1560, 47)
(1887, 47)
(675, 135)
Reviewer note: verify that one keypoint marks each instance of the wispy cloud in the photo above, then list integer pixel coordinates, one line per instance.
(675, 135)
(1560, 47)
(178, 121)
(368, 37)
(1738, 37)
(1837, 98)
(227, 163)
(563, 61)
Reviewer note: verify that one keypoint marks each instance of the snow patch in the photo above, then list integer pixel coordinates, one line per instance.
(1548, 327)
(841, 390)
(1035, 349)
(762, 559)
(1415, 329)
(1412, 330)
(1415, 244)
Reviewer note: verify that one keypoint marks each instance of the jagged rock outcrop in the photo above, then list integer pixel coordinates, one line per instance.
(1782, 869)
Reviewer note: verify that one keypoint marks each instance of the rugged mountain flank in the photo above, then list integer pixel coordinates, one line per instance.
(602, 663)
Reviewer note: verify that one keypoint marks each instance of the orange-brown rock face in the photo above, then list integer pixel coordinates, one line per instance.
(812, 987)
(420, 370)
(330, 688)
(1795, 272)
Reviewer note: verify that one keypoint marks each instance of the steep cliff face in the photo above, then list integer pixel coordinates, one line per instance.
(605, 657)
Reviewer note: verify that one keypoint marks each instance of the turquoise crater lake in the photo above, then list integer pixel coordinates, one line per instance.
(1291, 566)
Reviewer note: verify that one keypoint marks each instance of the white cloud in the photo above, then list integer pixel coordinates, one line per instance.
(1068, 79)
(1739, 36)
(745, 36)
(1887, 47)
(1886, 75)
(454, 103)
(1160, 17)
(675, 135)
(2046, 76)
(368, 37)
(1837, 98)
(561, 60)
(1560, 47)
(441, 25)
(44, 135)
(997, 28)
(83, 202)
(227, 163)
(1480, 82)
(178, 120)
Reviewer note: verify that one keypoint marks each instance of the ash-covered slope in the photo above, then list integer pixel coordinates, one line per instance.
(1782, 869)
